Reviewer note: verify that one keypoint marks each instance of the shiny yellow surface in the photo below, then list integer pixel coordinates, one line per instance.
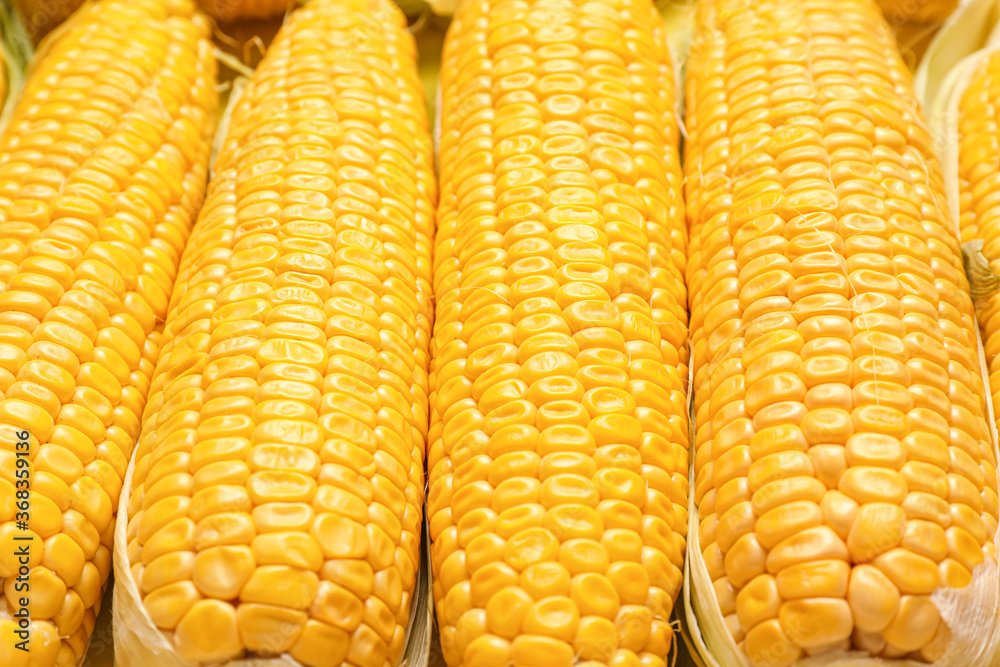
(280, 468)
(844, 467)
(978, 180)
(558, 446)
(104, 164)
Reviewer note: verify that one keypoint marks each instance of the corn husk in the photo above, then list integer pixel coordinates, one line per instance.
(965, 32)
(16, 51)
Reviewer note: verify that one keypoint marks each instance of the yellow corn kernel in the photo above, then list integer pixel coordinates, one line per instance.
(105, 160)
(978, 181)
(280, 464)
(558, 447)
(843, 462)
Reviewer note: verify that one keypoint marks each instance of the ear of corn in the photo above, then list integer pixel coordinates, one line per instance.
(103, 168)
(845, 473)
(276, 498)
(977, 168)
(558, 446)
(963, 124)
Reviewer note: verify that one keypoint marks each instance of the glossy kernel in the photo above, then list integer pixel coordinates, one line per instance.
(558, 440)
(284, 443)
(106, 167)
(842, 459)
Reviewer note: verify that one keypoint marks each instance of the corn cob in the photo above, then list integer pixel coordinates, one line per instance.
(845, 471)
(978, 173)
(102, 169)
(898, 12)
(278, 486)
(558, 445)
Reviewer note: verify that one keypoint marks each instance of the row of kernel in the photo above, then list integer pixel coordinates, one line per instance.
(95, 214)
(823, 333)
(557, 465)
(305, 301)
(976, 182)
